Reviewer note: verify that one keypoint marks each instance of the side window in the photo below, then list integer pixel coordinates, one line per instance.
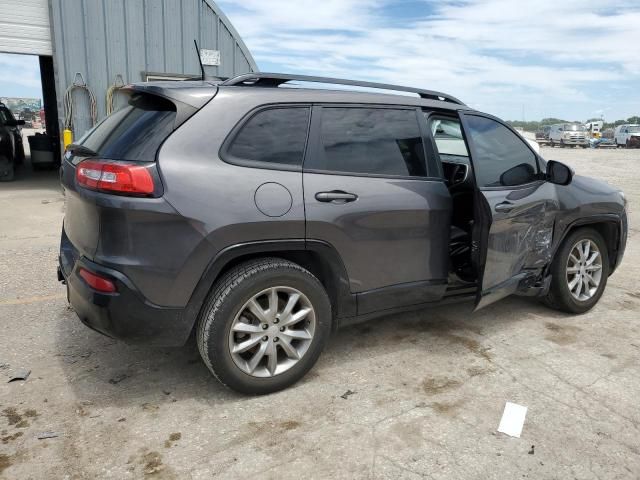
(447, 133)
(5, 116)
(272, 137)
(501, 158)
(378, 141)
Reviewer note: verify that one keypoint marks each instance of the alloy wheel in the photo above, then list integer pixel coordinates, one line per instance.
(272, 331)
(584, 270)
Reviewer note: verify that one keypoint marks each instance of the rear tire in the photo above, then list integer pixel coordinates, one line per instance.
(7, 169)
(227, 324)
(564, 294)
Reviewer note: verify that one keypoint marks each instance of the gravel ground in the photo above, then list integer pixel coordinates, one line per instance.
(428, 388)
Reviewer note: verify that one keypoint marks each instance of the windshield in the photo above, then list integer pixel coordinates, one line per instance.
(635, 129)
(569, 127)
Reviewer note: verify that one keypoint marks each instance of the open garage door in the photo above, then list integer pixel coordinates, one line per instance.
(24, 27)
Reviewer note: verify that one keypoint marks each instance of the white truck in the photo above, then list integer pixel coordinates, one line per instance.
(568, 134)
(627, 135)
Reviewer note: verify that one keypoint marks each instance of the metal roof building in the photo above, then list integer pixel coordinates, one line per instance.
(106, 41)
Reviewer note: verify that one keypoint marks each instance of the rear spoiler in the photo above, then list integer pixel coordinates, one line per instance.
(187, 96)
(193, 93)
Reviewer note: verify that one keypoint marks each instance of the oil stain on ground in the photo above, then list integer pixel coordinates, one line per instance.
(471, 345)
(561, 334)
(444, 408)
(16, 419)
(174, 437)
(434, 386)
(11, 438)
(5, 462)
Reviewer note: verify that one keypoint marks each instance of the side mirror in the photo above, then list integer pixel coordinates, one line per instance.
(559, 173)
(20, 123)
(518, 175)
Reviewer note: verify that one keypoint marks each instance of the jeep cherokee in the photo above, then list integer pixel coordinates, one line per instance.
(259, 218)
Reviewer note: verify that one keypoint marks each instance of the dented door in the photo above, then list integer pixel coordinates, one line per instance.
(518, 239)
(514, 210)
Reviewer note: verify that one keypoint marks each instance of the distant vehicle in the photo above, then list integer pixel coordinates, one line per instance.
(594, 128)
(11, 148)
(567, 134)
(543, 133)
(608, 133)
(627, 136)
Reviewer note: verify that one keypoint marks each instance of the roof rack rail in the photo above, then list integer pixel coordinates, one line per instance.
(259, 79)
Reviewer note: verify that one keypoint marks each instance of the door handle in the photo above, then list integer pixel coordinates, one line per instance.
(336, 196)
(504, 207)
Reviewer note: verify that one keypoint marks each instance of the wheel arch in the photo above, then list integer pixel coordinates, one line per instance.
(320, 258)
(609, 226)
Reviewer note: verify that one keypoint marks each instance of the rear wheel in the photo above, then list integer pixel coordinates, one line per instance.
(579, 272)
(6, 169)
(264, 326)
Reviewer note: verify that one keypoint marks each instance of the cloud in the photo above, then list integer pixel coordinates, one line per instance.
(555, 58)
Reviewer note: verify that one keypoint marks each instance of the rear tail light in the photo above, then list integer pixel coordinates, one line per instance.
(115, 177)
(97, 282)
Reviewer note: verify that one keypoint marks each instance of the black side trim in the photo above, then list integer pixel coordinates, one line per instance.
(401, 295)
(344, 322)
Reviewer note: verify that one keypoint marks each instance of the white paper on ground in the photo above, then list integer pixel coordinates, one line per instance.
(512, 419)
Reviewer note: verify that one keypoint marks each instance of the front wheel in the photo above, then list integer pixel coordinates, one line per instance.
(264, 326)
(579, 272)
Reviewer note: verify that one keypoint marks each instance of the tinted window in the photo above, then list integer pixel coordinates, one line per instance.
(5, 115)
(448, 137)
(274, 136)
(370, 141)
(501, 158)
(135, 132)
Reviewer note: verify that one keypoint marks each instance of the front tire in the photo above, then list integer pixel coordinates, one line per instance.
(579, 272)
(264, 326)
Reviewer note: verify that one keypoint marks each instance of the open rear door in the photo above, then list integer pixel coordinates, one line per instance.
(513, 206)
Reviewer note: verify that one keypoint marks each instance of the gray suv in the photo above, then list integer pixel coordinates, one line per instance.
(259, 218)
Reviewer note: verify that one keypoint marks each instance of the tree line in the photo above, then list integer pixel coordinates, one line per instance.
(533, 126)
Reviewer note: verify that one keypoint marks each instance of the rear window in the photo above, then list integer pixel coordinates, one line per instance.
(135, 132)
(273, 138)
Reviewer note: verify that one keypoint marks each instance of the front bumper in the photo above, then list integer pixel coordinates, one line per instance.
(575, 141)
(125, 315)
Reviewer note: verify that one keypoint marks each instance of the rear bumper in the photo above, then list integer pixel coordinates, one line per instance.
(125, 315)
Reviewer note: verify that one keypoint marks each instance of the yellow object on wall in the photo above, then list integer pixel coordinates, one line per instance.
(67, 138)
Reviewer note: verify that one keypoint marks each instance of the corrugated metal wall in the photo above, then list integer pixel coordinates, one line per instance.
(24, 27)
(103, 38)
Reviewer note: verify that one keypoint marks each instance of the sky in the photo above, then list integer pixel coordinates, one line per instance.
(571, 59)
(531, 59)
(19, 76)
